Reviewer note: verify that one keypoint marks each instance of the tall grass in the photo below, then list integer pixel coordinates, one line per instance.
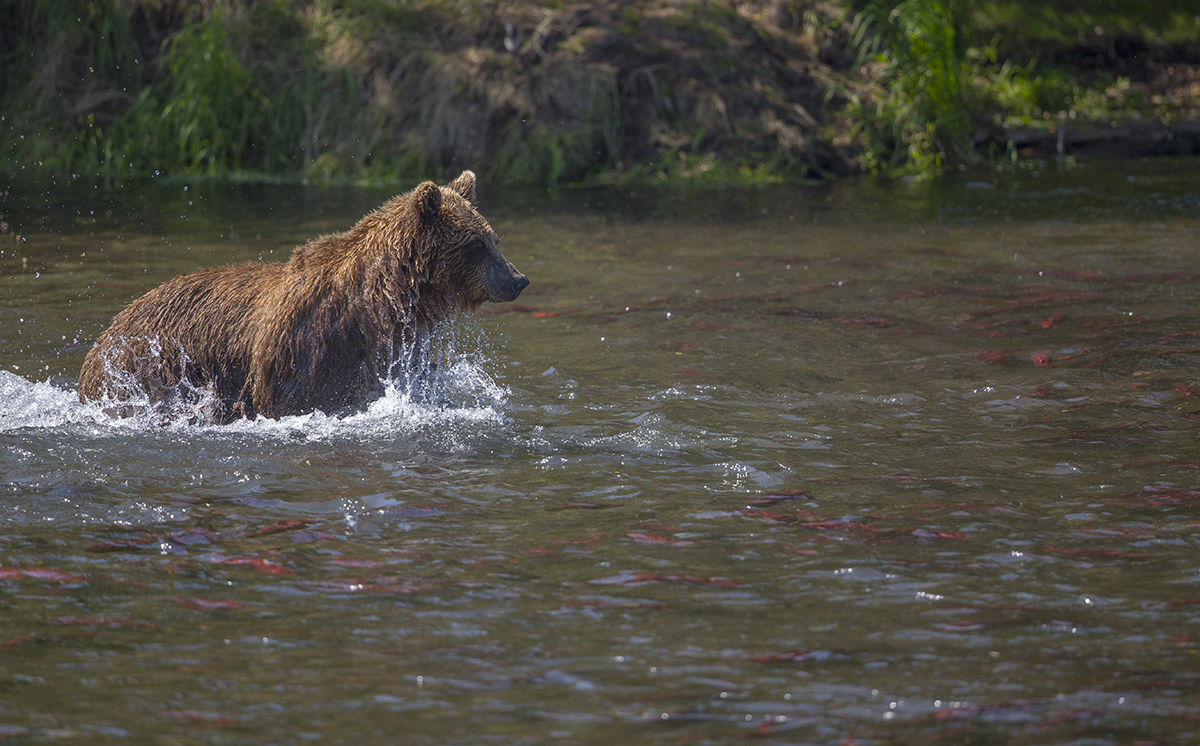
(361, 90)
(936, 91)
(67, 67)
(203, 115)
(585, 144)
(920, 119)
(185, 105)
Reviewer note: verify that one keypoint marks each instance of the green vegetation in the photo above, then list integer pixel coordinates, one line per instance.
(944, 77)
(920, 118)
(546, 92)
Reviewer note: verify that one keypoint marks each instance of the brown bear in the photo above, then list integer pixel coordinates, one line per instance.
(316, 332)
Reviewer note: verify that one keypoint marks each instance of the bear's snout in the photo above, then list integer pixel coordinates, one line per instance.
(502, 282)
(509, 291)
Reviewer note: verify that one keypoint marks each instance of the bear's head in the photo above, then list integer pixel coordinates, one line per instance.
(458, 248)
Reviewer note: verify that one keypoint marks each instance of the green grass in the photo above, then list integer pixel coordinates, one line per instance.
(542, 154)
(274, 88)
(937, 86)
(920, 121)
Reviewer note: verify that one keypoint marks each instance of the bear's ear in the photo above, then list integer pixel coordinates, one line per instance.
(427, 198)
(464, 185)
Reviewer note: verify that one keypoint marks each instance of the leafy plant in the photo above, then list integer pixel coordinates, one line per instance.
(202, 114)
(919, 120)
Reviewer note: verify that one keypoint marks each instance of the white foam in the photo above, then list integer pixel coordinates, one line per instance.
(432, 386)
(26, 404)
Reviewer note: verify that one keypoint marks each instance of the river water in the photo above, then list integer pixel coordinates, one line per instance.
(858, 463)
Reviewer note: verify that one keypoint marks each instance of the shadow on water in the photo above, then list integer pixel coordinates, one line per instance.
(861, 462)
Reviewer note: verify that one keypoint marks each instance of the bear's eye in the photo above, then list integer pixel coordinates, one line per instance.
(476, 251)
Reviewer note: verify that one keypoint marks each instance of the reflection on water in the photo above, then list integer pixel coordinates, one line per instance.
(861, 463)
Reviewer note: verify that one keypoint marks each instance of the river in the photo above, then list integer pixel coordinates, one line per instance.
(855, 463)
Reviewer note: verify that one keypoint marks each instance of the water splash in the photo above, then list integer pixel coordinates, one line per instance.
(438, 382)
(26, 404)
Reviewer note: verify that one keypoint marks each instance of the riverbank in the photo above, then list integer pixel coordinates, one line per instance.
(527, 92)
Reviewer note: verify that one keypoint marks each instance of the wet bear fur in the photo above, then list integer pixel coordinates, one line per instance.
(316, 332)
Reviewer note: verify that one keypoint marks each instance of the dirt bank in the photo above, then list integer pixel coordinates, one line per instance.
(744, 83)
